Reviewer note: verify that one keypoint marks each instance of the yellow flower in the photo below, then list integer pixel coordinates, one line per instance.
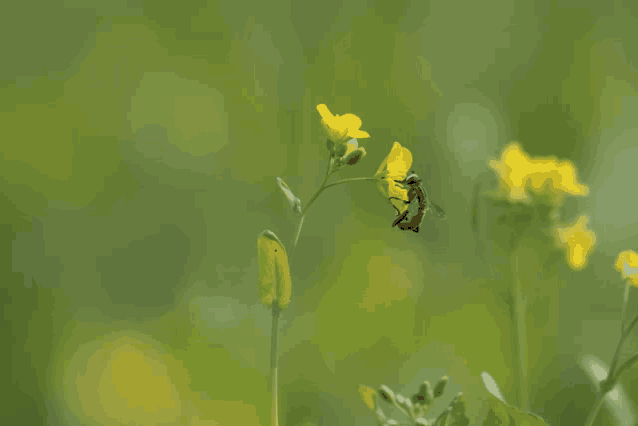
(518, 172)
(341, 128)
(394, 167)
(578, 240)
(627, 264)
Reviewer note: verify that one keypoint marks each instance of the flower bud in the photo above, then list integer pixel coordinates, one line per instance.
(340, 150)
(440, 387)
(354, 156)
(386, 394)
(424, 395)
(330, 145)
(421, 422)
(404, 402)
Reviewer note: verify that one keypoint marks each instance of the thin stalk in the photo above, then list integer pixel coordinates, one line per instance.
(349, 180)
(594, 411)
(614, 375)
(519, 318)
(274, 361)
(275, 309)
(624, 307)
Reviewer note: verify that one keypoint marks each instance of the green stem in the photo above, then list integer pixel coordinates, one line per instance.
(274, 362)
(594, 411)
(624, 307)
(519, 318)
(291, 251)
(613, 375)
(630, 362)
(274, 344)
(623, 337)
(349, 180)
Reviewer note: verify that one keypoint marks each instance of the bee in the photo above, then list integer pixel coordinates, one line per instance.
(418, 205)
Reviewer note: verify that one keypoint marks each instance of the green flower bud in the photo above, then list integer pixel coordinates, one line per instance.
(274, 273)
(424, 395)
(330, 145)
(340, 150)
(440, 387)
(421, 422)
(386, 394)
(404, 402)
(354, 157)
(391, 422)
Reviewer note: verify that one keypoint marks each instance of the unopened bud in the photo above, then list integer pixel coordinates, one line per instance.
(421, 422)
(386, 394)
(440, 386)
(424, 395)
(340, 150)
(403, 402)
(354, 156)
(330, 145)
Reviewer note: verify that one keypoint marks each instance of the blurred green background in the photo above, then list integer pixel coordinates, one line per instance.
(139, 150)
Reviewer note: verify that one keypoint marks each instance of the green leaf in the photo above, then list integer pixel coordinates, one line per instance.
(491, 385)
(500, 413)
(457, 415)
(274, 273)
(295, 203)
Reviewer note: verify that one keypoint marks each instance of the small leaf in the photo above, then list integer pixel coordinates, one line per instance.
(457, 415)
(368, 395)
(499, 413)
(491, 386)
(274, 273)
(295, 203)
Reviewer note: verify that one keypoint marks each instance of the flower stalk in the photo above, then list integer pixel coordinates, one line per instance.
(519, 320)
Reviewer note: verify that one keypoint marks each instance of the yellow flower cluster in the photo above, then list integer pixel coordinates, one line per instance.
(518, 172)
(345, 129)
(578, 240)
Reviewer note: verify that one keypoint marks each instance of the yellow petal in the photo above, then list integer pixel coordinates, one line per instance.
(341, 127)
(394, 167)
(396, 164)
(627, 264)
(274, 272)
(578, 240)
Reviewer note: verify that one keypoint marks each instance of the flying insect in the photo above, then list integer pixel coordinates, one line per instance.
(418, 205)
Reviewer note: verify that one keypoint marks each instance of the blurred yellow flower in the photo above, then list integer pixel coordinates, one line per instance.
(627, 264)
(578, 240)
(518, 172)
(340, 128)
(368, 396)
(395, 167)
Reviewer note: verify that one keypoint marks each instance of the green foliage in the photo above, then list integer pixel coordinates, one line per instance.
(499, 413)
